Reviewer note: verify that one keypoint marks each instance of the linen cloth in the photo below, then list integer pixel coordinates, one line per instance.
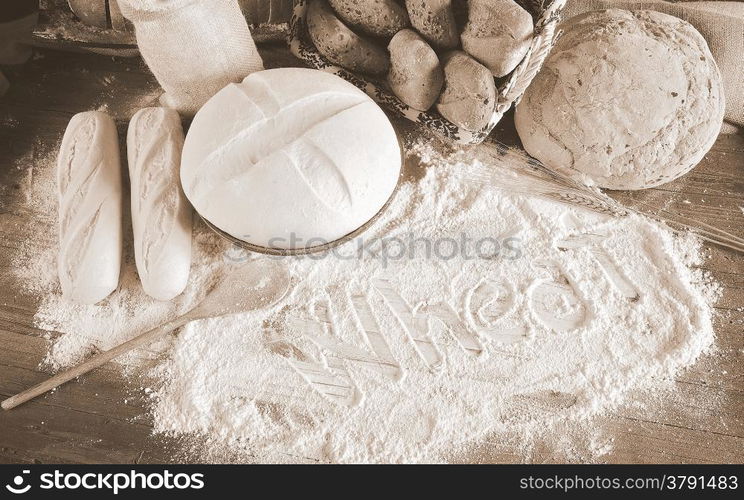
(193, 47)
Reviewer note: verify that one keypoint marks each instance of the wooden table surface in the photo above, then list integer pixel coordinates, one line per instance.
(103, 417)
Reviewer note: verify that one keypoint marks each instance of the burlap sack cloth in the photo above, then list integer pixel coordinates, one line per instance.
(720, 23)
(193, 47)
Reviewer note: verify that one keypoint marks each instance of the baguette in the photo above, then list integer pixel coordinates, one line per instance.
(161, 215)
(90, 208)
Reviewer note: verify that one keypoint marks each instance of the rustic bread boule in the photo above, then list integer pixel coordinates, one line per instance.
(626, 100)
(435, 20)
(415, 75)
(498, 34)
(469, 92)
(375, 17)
(341, 45)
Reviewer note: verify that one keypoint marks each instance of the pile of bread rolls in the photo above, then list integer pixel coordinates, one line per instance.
(433, 53)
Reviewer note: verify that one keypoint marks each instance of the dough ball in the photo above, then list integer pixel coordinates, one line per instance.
(290, 158)
(626, 100)
(415, 75)
(498, 34)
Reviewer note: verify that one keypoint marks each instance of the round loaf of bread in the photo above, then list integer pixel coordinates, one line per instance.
(290, 158)
(626, 100)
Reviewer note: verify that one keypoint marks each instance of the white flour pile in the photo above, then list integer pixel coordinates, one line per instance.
(414, 358)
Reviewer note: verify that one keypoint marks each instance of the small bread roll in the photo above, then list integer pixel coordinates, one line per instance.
(375, 17)
(90, 208)
(435, 20)
(415, 76)
(469, 92)
(342, 46)
(161, 215)
(498, 34)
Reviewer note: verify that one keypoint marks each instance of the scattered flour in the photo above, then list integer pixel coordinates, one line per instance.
(416, 349)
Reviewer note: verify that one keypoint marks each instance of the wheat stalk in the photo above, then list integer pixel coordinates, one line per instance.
(513, 171)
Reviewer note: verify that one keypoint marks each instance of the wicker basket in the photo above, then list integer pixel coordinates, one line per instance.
(510, 89)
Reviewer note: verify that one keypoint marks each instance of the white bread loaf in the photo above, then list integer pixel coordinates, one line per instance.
(90, 208)
(161, 215)
(626, 100)
(290, 153)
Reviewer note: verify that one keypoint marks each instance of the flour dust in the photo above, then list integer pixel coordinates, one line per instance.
(462, 315)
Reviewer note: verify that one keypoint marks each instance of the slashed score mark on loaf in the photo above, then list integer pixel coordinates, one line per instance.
(227, 161)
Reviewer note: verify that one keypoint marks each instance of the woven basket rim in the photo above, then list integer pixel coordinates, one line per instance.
(508, 93)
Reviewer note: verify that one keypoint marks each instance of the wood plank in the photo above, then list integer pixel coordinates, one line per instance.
(104, 418)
